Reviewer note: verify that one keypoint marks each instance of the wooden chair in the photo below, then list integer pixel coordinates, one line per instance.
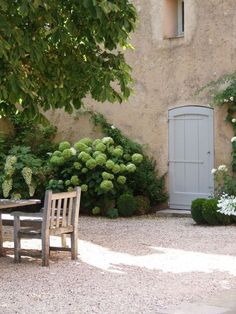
(59, 217)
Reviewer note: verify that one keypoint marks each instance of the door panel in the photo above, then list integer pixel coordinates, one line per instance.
(191, 155)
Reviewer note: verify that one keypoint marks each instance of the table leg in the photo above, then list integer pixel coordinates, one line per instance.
(1, 240)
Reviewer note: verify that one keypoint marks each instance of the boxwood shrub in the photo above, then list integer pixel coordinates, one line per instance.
(210, 213)
(196, 210)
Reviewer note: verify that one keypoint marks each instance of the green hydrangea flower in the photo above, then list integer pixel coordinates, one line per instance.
(74, 180)
(91, 163)
(111, 149)
(70, 189)
(7, 187)
(84, 188)
(96, 210)
(106, 185)
(116, 169)
(64, 145)
(101, 147)
(101, 159)
(16, 196)
(131, 167)
(137, 158)
(107, 176)
(67, 183)
(121, 180)
(81, 147)
(96, 153)
(84, 170)
(110, 164)
(117, 152)
(84, 156)
(27, 175)
(87, 141)
(57, 153)
(127, 157)
(107, 140)
(57, 161)
(67, 153)
(77, 165)
(122, 168)
(97, 141)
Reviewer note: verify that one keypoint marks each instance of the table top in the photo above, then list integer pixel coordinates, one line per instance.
(7, 203)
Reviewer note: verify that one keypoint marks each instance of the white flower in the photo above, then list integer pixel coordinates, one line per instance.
(113, 127)
(227, 205)
(73, 151)
(234, 120)
(222, 168)
(232, 98)
(225, 100)
(213, 171)
(233, 139)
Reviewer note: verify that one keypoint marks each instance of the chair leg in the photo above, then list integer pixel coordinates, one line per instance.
(45, 250)
(17, 256)
(63, 240)
(1, 238)
(74, 245)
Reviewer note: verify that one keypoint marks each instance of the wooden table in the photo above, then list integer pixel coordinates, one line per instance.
(6, 204)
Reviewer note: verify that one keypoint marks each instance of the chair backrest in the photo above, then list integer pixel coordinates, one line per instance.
(61, 210)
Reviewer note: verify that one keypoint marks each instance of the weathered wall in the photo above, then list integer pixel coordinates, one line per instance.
(167, 73)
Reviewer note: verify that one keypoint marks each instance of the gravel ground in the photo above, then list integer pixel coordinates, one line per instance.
(138, 265)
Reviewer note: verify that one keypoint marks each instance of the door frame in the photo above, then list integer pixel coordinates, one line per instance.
(185, 107)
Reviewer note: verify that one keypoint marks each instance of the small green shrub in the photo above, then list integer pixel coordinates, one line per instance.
(196, 210)
(105, 204)
(112, 213)
(210, 213)
(233, 219)
(142, 205)
(224, 219)
(126, 205)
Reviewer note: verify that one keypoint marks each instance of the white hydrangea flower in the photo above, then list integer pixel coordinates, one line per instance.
(213, 171)
(73, 150)
(232, 98)
(233, 120)
(222, 168)
(113, 127)
(227, 205)
(233, 139)
(226, 100)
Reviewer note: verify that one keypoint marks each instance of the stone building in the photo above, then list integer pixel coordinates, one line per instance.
(180, 46)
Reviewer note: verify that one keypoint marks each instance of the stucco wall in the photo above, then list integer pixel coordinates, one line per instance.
(167, 73)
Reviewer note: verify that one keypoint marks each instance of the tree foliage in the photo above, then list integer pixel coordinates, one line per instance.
(55, 53)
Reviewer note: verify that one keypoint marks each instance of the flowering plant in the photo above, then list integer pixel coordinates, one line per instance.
(224, 182)
(227, 205)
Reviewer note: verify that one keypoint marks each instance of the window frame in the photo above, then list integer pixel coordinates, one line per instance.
(180, 18)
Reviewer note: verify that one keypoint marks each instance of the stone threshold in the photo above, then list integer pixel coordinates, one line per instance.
(173, 213)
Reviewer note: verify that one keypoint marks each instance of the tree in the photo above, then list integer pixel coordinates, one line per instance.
(55, 53)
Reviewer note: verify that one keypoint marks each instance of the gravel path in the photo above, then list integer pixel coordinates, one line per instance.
(138, 265)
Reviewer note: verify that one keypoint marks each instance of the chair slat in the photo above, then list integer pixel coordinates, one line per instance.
(52, 216)
(58, 196)
(65, 206)
(70, 211)
(58, 220)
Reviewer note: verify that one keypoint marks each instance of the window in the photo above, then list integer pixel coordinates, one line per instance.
(174, 18)
(180, 17)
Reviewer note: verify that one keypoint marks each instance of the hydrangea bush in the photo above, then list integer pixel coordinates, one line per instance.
(100, 167)
(21, 175)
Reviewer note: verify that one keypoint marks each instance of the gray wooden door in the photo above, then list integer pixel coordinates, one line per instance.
(191, 155)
